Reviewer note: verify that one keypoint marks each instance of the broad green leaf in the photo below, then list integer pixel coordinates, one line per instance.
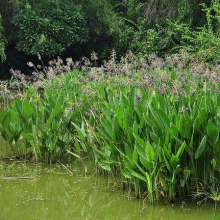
(166, 162)
(201, 147)
(174, 133)
(141, 151)
(18, 106)
(164, 118)
(107, 112)
(120, 114)
(59, 105)
(135, 128)
(6, 120)
(104, 166)
(174, 161)
(139, 176)
(140, 141)
(154, 137)
(126, 174)
(149, 183)
(150, 153)
(146, 164)
(75, 155)
(180, 150)
(27, 110)
(212, 132)
(77, 145)
(128, 153)
(28, 137)
(107, 127)
(140, 146)
(50, 119)
(128, 164)
(84, 146)
(156, 116)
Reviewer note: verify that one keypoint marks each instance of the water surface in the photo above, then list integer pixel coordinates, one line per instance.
(53, 194)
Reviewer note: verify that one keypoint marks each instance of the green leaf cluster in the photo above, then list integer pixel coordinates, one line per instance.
(49, 28)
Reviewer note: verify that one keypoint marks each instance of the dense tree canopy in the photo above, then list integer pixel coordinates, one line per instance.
(51, 27)
(48, 28)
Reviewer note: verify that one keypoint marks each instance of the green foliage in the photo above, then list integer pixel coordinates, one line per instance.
(190, 12)
(2, 43)
(213, 16)
(165, 143)
(168, 38)
(156, 26)
(44, 126)
(152, 138)
(129, 26)
(129, 35)
(173, 38)
(205, 41)
(101, 19)
(49, 28)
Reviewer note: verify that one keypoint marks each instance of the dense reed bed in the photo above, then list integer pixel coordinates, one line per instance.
(154, 122)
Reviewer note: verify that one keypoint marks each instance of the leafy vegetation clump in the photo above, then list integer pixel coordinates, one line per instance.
(49, 28)
(156, 122)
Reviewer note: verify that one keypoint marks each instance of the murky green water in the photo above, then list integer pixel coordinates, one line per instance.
(53, 194)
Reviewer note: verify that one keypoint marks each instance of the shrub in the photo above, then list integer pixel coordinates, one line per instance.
(174, 38)
(169, 37)
(49, 28)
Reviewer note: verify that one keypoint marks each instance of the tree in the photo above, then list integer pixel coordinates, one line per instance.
(50, 27)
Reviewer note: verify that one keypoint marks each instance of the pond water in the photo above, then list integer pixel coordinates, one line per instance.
(54, 194)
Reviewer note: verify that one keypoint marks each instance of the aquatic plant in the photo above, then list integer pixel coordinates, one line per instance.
(155, 122)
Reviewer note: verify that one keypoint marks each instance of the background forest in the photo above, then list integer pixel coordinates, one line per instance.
(75, 28)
